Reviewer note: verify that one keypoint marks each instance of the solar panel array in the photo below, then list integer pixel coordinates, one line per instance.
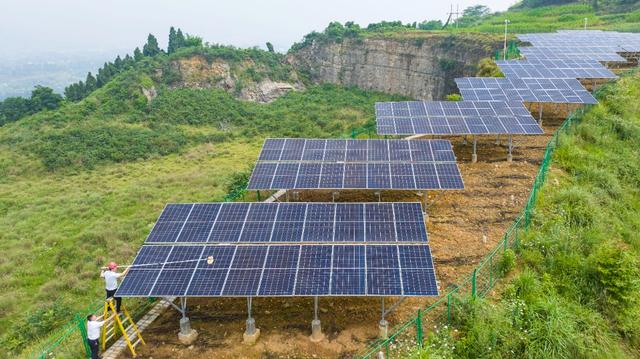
(454, 117)
(537, 68)
(356, 164)
(526, 90)
(237, 222)
(284, 249)
(619, 41)
(567, 53)
(281, 270)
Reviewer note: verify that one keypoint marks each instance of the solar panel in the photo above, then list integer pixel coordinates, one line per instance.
(525, 90)
(454, 118)
(282, 270)
(622, 42)
(594, 54)
(239, 222)
(541, 68)
(355, 164)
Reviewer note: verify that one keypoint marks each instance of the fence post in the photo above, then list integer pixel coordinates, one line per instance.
(491, 271)
(449, 308)
(473, 284)
(419, 327)
(83, 334)
(505, 245)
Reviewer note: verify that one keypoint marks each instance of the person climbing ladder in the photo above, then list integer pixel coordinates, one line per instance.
(93, 333)
(111, 276)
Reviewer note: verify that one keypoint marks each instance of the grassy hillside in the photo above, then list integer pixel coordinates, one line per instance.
(83, 184)
(575, 291)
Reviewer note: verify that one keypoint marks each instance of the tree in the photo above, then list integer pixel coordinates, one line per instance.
(192, 41)
(13, 108)
(43, 98)
(181, 41)
(137, 54)
(270, 47)
(171, 48)
(430, 25)
(75, 92)
(151, 47)
(90, 84)
(473, 14)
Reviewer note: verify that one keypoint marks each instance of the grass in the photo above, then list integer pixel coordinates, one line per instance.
(575, 292)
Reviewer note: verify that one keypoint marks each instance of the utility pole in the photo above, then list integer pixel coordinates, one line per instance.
(504, 50)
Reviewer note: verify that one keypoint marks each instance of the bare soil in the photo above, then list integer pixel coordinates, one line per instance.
(463, 226)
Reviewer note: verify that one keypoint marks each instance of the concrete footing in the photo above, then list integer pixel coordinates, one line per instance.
(316, 331)
(383, 327)
(251, 333)
(187, 335)
(509, 158)
(251, 339)
(474, 158)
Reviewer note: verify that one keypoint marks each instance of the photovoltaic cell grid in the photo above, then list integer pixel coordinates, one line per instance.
(356, 164)
(537, 68)
(595, 53)
(454, 118)
(620, 41)
(281, 270)
(289, 222)
(525, 90)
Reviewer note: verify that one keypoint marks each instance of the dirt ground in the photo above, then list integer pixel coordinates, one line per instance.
(463, 226)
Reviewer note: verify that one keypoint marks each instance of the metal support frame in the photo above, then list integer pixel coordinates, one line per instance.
(474, 156)
(250, 322)
(510, 155)
(498, 140)
(316, 327)
(391, 309)
(182, 309)
(334, 195)
(296, 196)
(379, 195)
(540, 114)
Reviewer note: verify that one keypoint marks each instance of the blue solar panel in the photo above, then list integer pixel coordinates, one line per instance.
(456, 118)
(283, 270)
(354, 164)
(524, 90)
(308, 222)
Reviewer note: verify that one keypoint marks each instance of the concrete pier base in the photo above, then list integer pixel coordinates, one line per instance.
(474, 158)
(383, 327)
(316, 331)
(187, 335)
(509, 158)
(251, 333)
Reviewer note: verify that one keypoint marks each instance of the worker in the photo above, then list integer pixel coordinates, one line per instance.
(93, 333)
(111, 276)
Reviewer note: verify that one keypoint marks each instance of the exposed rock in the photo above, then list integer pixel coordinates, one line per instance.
(422, 67)
(150, 93)
(197, 72)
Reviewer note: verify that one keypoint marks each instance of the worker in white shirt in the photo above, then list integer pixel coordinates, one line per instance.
(111, 276)
(93, 333)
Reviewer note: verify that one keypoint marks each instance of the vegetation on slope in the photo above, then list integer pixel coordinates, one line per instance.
(576, 291)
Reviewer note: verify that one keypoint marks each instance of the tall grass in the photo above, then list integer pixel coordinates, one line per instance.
(576, 291)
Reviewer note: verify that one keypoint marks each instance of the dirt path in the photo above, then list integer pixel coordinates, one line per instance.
(463, 226)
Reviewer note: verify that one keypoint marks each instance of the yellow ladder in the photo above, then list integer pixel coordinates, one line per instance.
(111, 327)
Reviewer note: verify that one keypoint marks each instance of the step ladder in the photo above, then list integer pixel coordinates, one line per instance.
(122, 323)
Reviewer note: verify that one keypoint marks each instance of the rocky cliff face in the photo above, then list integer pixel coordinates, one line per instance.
(197, 72)
(423, 68)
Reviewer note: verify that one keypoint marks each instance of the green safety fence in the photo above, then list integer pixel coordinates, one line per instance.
(410, 335)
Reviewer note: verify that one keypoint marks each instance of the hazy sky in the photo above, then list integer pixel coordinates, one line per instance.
(89, 25)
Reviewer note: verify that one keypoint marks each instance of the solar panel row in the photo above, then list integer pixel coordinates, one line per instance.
(525, 90)
(554, 69)
(459, 117)
(400, 176)
(318, 150)
(289, 222)
(281, 270)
